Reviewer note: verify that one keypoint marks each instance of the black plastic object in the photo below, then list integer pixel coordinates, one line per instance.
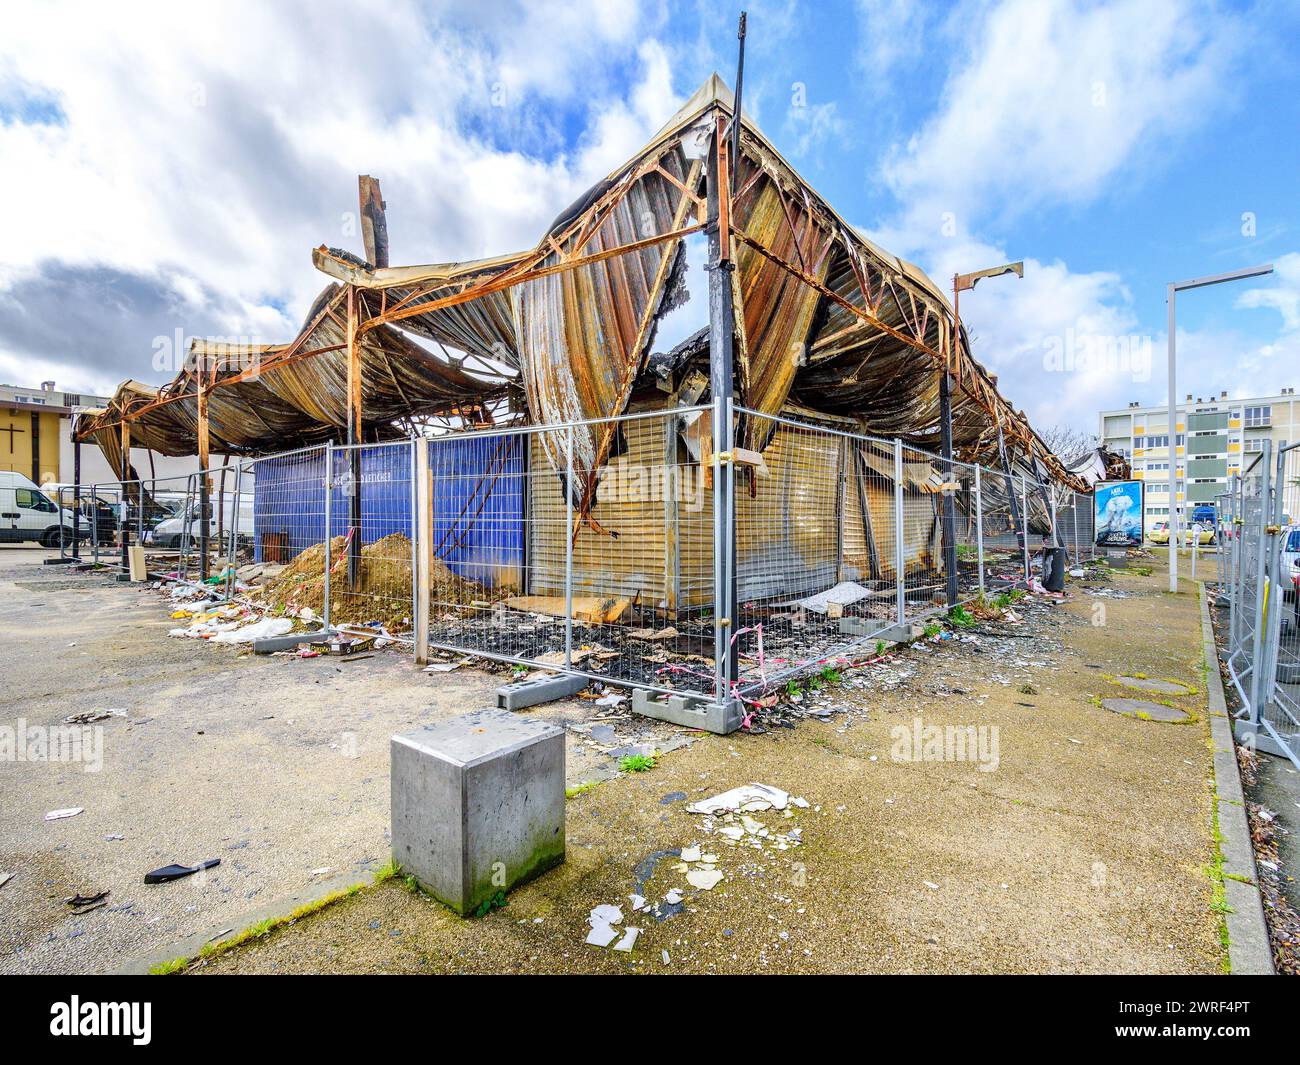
(1054, 563)
(175, 872)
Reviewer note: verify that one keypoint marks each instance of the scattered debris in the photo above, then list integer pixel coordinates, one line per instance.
(704, 879)
(87, 717)
(751, 797)
(80, 904)
(602, 921)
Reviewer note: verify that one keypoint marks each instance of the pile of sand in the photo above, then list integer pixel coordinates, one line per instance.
(383, 592)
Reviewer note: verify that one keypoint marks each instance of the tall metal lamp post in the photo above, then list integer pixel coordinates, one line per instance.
(960, 283)
(1174, 289)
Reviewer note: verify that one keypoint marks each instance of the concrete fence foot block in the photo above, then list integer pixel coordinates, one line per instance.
(478, 804)
(721, 718)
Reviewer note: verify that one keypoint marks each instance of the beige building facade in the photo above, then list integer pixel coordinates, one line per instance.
(1215, 436)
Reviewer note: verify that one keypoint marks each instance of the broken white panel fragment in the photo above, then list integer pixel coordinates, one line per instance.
(843, 594)
(750, 797)
(258, 630)
(690, 854)
(602, 935)
(629, 939)
(59, 815)
(602, 920)
(704, 879)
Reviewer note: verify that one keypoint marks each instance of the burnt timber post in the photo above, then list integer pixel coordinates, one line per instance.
(374, 223)
(354, 444)
(722, 328)
(124, 523)
(205, 497)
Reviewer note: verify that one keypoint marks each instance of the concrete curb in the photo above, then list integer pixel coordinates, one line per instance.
(1249, 951)
(189, 946)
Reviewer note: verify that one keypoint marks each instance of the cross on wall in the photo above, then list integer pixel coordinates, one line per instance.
(10, 429)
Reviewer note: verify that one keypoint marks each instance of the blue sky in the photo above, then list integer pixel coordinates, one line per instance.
(186, 164)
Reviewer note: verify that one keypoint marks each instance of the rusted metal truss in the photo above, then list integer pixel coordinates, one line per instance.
(825, 319)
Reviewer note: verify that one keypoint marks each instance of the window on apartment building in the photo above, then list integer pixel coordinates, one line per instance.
(1258, 417)
(1254, 444)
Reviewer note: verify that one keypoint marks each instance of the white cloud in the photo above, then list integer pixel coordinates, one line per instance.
(1056, 103)
(1057, 99)
(204, 150)
(892, 31)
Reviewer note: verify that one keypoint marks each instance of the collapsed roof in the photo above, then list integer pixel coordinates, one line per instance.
(276, 397)
(825, 319)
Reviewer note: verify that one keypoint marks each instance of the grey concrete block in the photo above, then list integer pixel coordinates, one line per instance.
(478, 804)
(525, 693)
(721, 718)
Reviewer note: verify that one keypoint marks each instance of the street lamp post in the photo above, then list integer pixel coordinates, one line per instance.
(1173, 290)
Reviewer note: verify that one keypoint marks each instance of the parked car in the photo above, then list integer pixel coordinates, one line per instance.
(1159, 533)
(28, 514)
(170, 531)
(1288, 569)
(98, 515)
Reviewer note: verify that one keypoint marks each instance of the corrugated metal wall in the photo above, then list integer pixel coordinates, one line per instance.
(788, 529)
(630, 557)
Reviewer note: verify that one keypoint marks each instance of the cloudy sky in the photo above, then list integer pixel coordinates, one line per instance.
(168, 168)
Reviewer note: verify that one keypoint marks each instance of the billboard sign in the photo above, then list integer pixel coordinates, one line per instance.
(1119, 513)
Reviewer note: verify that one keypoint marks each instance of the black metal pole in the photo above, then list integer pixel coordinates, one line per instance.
(949, 505)
(722, 327)
(76, 493)
(124, 505)
(205, 514)
(740, 86)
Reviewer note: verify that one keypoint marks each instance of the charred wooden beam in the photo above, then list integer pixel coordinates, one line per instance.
(374, 223)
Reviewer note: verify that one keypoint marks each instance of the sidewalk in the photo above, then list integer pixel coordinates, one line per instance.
(1079, 842)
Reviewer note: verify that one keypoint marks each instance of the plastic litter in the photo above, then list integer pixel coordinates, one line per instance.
(59, 815)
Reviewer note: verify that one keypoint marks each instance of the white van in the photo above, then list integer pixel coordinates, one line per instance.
(169, 531)
(27, 513)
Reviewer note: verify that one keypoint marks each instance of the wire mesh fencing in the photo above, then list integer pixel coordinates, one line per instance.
(1264, 621)
(1281, 713)
(535, 561)
(599, 548)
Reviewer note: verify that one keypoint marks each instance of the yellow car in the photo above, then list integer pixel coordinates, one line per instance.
(1159, 534)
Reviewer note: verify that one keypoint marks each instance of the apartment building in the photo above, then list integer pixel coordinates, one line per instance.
(1214, 436)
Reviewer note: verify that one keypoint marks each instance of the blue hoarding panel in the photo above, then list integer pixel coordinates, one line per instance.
(478, 507)
(478, 502)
